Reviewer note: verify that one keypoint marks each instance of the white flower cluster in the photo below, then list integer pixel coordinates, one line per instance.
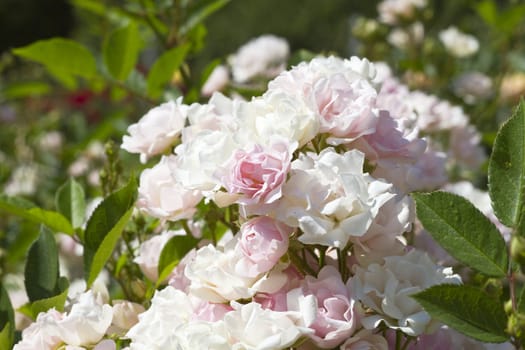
(315, 175)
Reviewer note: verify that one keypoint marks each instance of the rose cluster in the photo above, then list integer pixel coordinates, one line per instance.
(314, 180)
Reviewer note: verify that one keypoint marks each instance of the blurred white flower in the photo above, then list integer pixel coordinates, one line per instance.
(458, 43)
(394, 11)
(473, 87)
(23, 180)
(217, 80)
(264, 56)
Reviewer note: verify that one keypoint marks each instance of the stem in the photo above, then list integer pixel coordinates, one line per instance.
(152, 25)
(398, 340)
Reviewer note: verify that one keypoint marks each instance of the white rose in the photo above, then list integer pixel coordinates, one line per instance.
(197, 161)
(87, 321)
(387, 290)
(392, 11)
(161, 196)
(213, 276)
(330, 198)
(201, 335)
(254, 328)
(156, 131)
(155, 330)
(43, 334)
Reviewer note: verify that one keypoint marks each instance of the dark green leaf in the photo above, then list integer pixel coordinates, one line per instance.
(7, 320)
(507, 169)
(27, 210)
(104, 228)
(42, 270)
(70, 202)
(162, 70)
(58, 301)
(174, 250)
(64, 58)
(467, 309)
(121, 51)
(463, 231)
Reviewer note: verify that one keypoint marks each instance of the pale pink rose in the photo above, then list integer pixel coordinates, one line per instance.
(209, 312)
(177, 278)
(156, 131)
(125, 316)
(365, 340)
(106, 344)
(387, 288)
(384, 237)
(337, 313)
(388, 142)
(277, 301)
(262, 242)
(394, 11)
(149, 253)
(217, 80)
(346, 108)
(258, 173)
(161, 196)
(43, 334)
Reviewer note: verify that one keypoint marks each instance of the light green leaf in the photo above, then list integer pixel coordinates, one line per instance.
(463, 231)
(174, 250)
(104, 228)
(41, 271)
(70, 202)
(200, 13)
(27, 210)
(506, 173)
(467, 309)
(63, 58)
(121, 50)
(488, 11)
(7, 320)
(162, 70)
(521, 301)
(26, 89)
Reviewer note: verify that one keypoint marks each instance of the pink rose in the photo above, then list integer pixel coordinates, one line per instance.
(337, 313)
(259, 173)
(346, 108)
(210, 312)
(262, 242)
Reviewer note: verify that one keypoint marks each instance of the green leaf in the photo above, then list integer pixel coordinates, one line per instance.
(202, 11)
(488, 11)
(467, 309)
(104, 228)
(63, 58)
(521, 301)
(121, 50)
(162, 70)
(70, 202)
(463, 231)
(174, 250)
(58, 301)
(506, 173)
(7, 320)
(42, 270)
(26, 89)
(27, 210)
